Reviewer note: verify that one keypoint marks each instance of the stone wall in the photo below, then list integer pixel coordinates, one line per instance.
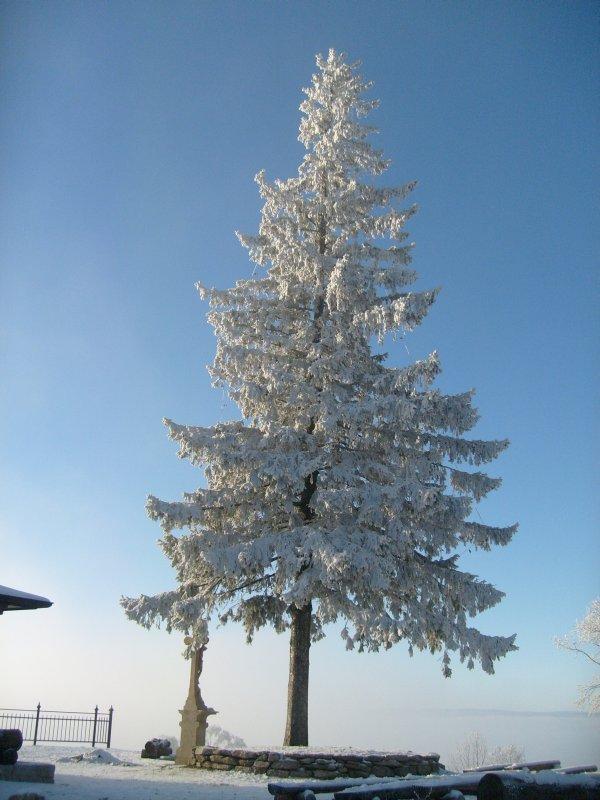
(298, 762)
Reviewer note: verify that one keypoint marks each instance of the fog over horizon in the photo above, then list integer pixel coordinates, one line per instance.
(384, 701)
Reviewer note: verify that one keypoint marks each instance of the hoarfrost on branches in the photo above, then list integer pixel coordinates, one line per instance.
(346, 484)
(474, 752)
(219, 737)
(586, 640)
(507, 754)
(215, 737)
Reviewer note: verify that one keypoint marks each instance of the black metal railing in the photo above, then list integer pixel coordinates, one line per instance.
(82, 727)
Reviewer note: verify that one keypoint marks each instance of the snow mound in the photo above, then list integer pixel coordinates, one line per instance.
(96, 757)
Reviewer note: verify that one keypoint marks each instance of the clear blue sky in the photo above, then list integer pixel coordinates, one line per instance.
(130, 133)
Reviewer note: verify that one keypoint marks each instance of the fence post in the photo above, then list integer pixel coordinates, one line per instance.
(37, 722)
(110, 716)
(95, 723)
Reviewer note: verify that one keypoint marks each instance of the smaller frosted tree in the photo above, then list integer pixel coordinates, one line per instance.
(474, 752)
(585, 640)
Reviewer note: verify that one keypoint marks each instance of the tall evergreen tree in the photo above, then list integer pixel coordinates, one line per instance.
(336, 498)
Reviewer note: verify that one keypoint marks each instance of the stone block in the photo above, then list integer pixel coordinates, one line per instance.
(299, 773)
(250, 755)
(287, 763)
(324, 774)
(27, 771)
(217, 758)
(381, 771)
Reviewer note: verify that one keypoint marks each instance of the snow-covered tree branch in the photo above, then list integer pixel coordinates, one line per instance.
(340, 494)
(585, 640)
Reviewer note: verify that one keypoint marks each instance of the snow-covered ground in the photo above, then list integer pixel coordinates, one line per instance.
(142, 780)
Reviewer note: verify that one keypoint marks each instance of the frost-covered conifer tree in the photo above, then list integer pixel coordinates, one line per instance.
(337, 497)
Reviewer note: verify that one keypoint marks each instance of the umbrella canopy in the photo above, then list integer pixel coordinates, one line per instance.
(14, 600)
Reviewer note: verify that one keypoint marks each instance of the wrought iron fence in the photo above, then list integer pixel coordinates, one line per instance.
(82, 727)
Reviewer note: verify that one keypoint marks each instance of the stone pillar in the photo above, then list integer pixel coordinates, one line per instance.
(194, 714)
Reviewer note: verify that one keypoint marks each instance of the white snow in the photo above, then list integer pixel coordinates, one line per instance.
(470, 780)
(96, 756)
(126, 776)
(306, 751)
(123, 775)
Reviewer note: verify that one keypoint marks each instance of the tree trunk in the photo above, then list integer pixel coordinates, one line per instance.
(296, 729)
